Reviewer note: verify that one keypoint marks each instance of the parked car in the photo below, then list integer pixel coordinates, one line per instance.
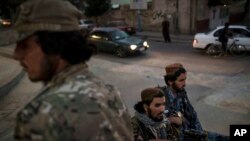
(87, 24)
(241, 34)
(121, 24)
(116, 41)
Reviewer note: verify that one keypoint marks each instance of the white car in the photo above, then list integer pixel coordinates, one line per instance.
(241, 35)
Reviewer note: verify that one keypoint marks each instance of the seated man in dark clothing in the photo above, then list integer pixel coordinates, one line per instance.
(178, 102)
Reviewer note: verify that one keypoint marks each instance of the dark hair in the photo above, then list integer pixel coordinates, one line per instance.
(226, 24)
(139, 106)
(71, 45)
(175, 75)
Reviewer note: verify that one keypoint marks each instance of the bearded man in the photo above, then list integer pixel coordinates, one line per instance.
(178, 104)
(149, 121)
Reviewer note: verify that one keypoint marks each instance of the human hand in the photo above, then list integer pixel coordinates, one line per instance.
(176, 118)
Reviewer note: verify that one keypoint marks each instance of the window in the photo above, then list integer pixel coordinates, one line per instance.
(237, 32)
(117, 35)
(217, 33)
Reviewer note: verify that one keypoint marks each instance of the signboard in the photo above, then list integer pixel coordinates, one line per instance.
(138, 4)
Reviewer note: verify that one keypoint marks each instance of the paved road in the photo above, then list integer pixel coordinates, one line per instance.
(131, 79)
(218, 88)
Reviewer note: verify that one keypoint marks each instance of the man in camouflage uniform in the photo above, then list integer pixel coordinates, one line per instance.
(74, 105)
(149, 121)
(178, 102)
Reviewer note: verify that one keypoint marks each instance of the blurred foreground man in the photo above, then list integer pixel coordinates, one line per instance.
(149, 122)
(74, 105)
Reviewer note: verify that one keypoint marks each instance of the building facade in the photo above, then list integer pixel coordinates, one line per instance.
(185, 16)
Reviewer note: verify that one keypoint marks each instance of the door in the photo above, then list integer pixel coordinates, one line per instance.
(242, 36)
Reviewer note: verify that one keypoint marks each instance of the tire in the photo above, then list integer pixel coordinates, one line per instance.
(238, 50)
(214, 50)
(120, 52)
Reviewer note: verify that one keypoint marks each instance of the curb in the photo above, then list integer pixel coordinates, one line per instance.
(6, 88)
(160, 39)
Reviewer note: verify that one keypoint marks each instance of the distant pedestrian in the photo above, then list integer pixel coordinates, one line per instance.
(224, 35)
(165, 30)
(74, 105)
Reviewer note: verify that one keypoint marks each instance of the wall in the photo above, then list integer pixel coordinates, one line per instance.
(184, 16)
(192, 15)
(159, 10)
(237, 13)
(152, 17)
(202, 16)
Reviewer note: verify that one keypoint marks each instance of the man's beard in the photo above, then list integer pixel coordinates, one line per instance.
(47, 71)
(178, 89)
(154, 118)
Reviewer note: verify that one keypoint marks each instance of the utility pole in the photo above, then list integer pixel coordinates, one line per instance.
(139, 20)
(193, 13)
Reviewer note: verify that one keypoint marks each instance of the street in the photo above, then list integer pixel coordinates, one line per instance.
(218, 88)
(212, 83)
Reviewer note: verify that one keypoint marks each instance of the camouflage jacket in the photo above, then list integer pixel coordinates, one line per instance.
(75, 106)
(182, 104)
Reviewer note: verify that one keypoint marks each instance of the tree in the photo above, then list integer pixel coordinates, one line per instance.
(95, 8)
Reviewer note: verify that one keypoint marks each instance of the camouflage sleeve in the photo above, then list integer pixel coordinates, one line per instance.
(38, 121)
(80, 120)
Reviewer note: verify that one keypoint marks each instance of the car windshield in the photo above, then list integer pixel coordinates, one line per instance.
(118, 34)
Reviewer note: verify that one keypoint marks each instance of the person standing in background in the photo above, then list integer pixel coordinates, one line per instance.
(223, 37)
(165, 30)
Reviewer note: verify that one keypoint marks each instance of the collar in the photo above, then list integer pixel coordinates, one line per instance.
(63, 75)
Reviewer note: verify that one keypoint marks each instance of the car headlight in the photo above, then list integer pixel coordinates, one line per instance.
(145, 44)
(195, 41)
(133, 47)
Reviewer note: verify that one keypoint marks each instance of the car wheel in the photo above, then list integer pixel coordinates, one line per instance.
(214, 50)
(120, 52)
(238, 50)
